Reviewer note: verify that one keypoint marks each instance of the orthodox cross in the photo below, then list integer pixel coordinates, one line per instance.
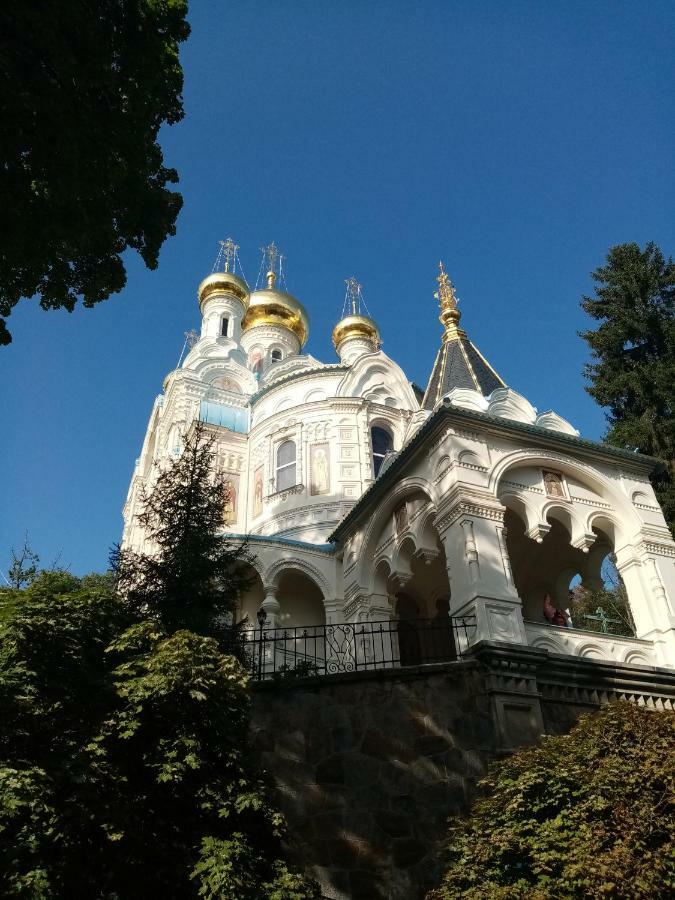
(228, 253)
(273, 257)
(191, 338)
(604, 620)
(353, 297)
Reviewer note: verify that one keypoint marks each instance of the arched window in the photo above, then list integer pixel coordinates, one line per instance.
(382, 443)
(276, 355)
(285, 465)
(224, 326)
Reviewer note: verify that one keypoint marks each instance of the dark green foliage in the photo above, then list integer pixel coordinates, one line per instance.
(195, 576)
(633, 351)
(86, 86)
(611, 599)
(125, 767)
(613, 603)
(54, 688)
(186, 807)
(588, 814)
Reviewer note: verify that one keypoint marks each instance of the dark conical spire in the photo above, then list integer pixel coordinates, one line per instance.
(458, 363)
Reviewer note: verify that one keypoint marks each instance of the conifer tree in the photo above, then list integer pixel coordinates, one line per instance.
(194, 574)
(633, 349)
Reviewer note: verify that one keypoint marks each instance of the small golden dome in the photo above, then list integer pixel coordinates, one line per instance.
(356, 327)
(274, 307)
(223, 283)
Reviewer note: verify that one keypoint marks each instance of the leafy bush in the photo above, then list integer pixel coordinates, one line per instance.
(587, 814)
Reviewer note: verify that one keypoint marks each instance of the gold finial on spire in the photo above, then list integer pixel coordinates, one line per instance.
(450, 314)
(353, 298)
(274, 260)
(228, 253)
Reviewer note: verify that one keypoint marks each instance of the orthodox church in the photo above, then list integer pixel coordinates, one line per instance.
(367, 499)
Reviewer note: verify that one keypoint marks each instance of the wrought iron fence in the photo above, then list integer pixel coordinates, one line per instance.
(354, 646)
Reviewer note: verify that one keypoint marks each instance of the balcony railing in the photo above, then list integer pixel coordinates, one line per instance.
(276, 653)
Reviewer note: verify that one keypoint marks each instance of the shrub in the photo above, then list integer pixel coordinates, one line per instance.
(587, 814)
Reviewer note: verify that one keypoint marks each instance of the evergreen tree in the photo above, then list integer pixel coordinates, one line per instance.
(633, 351)
(195, 573)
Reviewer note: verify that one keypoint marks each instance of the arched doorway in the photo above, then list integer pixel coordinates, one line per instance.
(300, 635)
(553, 567)
(421, 606)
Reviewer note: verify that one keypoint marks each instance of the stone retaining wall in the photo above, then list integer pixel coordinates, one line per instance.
(369, 766)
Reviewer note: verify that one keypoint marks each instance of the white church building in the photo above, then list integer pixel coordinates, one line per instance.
(366, 499)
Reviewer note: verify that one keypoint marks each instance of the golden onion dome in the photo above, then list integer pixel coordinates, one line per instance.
(223, 283)
(273, 307)
(356, 327)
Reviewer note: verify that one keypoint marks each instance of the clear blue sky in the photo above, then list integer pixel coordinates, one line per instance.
(518, 141)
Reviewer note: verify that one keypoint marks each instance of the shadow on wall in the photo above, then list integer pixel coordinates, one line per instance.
(368, 771)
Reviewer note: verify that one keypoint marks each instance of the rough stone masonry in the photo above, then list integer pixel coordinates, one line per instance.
(368, 766)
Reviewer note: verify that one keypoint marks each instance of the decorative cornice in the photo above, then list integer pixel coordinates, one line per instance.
(466, 508)
(588, 502)
(658, 549)
(283, 495)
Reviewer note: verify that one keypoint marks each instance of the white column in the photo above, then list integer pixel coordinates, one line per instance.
(481, 583)
(271, 606)
(649, 577)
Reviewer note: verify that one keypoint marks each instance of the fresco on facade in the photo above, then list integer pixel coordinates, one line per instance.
(554, 485)
(231, 496)
(319, 467)
(258, 491)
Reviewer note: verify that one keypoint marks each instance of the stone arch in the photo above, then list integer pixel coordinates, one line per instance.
(426, 531)
(602, 520)
(554, 509)
(384, 516)
(442, 465)
(591, 650)
(275, 571)
(522, 507)
(468, 458)
(629, 519)
(545, 561)
(548, 644)
(251, 599)
(283, 404)
(314, 396)
(636, 658)
(382, 573)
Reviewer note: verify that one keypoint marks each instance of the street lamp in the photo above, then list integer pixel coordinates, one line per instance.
(262, 618)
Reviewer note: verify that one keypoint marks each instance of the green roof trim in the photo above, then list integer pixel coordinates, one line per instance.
(448, 411)
(278, 539)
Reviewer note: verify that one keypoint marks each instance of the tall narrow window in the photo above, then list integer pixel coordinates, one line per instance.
(382, 443)
(224, 326)
(286, 465)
